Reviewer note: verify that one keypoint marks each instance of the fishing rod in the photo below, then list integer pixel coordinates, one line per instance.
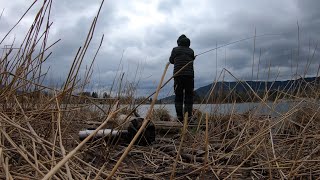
(147, 120)
(240, 40)
(204, 52)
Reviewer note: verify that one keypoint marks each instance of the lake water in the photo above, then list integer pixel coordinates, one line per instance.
(265, 109)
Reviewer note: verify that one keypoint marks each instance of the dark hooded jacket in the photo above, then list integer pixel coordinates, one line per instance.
(182, 55)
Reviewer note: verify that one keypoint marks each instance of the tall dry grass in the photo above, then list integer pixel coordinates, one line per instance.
(39, 126)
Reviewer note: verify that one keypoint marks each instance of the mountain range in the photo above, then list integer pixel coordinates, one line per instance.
(247, 86)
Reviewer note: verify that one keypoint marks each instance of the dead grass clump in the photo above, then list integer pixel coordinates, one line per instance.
(307, 117)
(161, 114)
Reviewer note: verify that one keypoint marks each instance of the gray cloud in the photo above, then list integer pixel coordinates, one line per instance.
(167, 6)
(146, 31)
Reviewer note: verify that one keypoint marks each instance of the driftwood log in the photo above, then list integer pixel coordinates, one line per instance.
(125, 127)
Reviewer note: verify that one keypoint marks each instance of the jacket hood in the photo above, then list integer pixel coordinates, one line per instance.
(183, 41)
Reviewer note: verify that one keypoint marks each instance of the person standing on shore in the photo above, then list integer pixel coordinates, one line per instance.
(181, 56)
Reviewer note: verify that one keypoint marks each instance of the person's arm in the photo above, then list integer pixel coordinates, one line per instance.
(193, 57)
(173, 55)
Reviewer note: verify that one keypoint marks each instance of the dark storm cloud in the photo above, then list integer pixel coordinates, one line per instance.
(5, 25)
(146, 31)
(309, 9)
(277, 50)
(168, 6)
(161, 35)
(74, 33)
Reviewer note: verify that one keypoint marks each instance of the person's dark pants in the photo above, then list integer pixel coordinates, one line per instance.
(183, 88)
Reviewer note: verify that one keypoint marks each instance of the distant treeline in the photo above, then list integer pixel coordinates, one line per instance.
(81, 97)
(220, 92)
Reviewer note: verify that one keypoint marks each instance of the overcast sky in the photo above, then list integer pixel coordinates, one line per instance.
(145, 32)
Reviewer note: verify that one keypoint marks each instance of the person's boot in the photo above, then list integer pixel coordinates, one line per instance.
(188, 108)
(179, 111)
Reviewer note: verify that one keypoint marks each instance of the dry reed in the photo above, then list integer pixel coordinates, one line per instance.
(39, 126)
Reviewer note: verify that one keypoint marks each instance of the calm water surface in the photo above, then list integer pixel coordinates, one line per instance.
(266, 109)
